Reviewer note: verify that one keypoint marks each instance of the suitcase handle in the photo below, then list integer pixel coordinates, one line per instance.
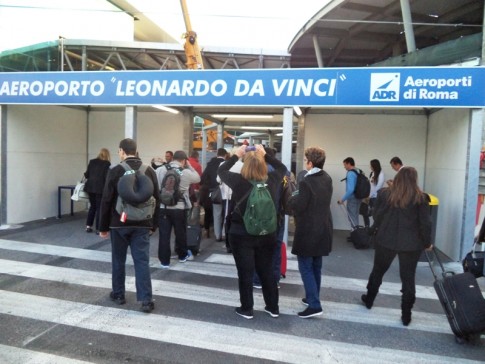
(444, 273)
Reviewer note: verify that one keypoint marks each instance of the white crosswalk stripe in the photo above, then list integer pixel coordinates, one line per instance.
(256, 343)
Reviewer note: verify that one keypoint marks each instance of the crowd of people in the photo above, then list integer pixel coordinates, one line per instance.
(230, 188)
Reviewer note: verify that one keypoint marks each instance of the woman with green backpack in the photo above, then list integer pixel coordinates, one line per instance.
(253, 224)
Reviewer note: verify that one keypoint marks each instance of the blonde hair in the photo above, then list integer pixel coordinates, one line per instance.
(254, 167)
(104, 155)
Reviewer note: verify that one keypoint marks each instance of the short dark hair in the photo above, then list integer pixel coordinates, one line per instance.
(350, 160)
(194, 154)
(169, 152)
(396, 160)
(269, 151)
(315, 155)
(221, 152)
(129, 146)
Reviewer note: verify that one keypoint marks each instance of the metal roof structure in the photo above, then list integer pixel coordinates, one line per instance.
(356, 33)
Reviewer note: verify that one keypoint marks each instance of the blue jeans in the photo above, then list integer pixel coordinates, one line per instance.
(353, 205)
(176, 218)
(139, 242)
(311, 274)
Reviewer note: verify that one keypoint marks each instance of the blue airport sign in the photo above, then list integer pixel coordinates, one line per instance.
(457, 87)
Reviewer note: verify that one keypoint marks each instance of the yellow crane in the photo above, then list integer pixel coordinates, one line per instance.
(195, 62)
(191, 46)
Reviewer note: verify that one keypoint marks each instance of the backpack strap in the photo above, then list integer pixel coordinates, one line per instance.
(246, 195)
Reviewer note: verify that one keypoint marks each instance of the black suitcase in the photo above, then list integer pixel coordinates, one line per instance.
(194, 235)
(194, 231)
(462, 301)
(358, 234)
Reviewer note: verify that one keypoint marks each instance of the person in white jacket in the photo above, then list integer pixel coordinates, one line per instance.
(376, 183)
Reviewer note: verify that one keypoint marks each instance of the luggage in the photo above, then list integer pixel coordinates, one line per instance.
(194, 231)
(284, 260)
(358, 234)
(474, 262)
(462, 301)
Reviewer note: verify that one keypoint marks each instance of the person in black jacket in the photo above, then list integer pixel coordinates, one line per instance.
(403, 222)
(129, 233)
(96, 177)
(313, 227)
(208, 184)
(252, 252)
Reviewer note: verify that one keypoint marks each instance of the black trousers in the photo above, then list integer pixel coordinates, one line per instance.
(408, 261)
(94, 206)
(255, 253)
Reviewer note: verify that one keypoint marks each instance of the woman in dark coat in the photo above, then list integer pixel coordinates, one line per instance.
(403, 220)
(313, 227)
(252, 253)
(96, 176)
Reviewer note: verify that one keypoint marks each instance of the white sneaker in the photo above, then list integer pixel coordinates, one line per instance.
(164, 266)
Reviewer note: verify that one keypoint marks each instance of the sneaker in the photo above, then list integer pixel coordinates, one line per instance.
(310, 312)
(147, 306)
(120, 300)
(248, 314)
(257, 286)
(164, 266)
(272, 313)
(189, 256)
(304, 301)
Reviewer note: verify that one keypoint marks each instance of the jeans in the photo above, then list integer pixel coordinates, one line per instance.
(176, 219)
(311, 274)
(94, 206)
(255, 253)
(139, 242)
(217, 215)
(353, 205)
(408, 261)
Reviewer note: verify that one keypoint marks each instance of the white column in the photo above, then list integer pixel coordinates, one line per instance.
(130, 122)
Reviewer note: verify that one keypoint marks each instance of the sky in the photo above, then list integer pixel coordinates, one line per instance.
(267, 24)
(263, 24)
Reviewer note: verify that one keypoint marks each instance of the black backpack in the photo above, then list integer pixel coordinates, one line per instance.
(135, 195)
(362, 186)
(170, 188)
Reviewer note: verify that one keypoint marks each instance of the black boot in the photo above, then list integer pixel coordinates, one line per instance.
(368, 299)
(406, 307)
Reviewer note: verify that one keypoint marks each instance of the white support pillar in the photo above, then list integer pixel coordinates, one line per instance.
(472, 177)
(286, 147)
(203, 159)
(408, 26)
(3, 165)
(220, 135)
(318, 51)
(130, 122)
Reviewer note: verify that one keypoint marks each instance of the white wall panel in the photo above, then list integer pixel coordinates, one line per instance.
(365, 137)
(46, 147)
(445, 174)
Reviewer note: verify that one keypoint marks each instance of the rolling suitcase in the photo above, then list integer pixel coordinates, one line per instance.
(358, 234)
(194, 231)
(462, 301)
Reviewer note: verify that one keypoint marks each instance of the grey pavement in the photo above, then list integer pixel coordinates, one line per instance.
(54, 307)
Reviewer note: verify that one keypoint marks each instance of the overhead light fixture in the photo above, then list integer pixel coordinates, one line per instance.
(262, 127)
(242, 116)
(165, 108)
(297, 110)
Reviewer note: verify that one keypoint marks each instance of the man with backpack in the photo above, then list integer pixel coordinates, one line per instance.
(353, 201)
(174, 180)
(128, 230)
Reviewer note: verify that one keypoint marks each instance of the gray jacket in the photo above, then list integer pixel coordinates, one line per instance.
(189, 176)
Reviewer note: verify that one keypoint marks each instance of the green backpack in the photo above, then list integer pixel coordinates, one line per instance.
(260, 215)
